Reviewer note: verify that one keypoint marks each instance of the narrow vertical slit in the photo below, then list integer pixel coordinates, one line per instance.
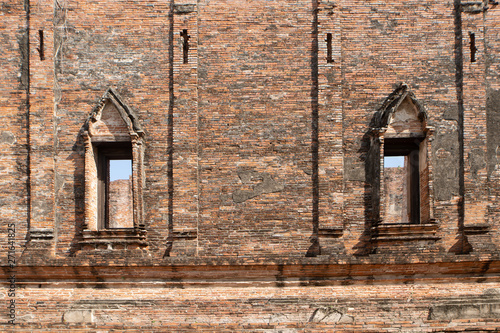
(473, 49)
(185, 45)
(40, 45)
(328, 40)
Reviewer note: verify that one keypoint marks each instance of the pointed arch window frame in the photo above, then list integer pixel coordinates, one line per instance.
(426, 226)
(135, 136)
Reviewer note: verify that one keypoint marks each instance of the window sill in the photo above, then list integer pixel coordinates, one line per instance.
(186, 234)
(114, 239)
(405, 232)
(476, 229)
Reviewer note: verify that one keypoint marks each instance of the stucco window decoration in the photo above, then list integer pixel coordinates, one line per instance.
(113, 203)
(400, 171)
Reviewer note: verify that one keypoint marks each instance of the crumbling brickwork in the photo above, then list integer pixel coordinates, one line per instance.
(257, 132)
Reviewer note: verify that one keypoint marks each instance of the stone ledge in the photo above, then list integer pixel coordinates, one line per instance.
(142, 273)
(330, 232)
(184, 8)
(404, 232)
(113, 239)
(476, 229)
(41, 234)
(185, 234)
(484, 306)
(473, 7)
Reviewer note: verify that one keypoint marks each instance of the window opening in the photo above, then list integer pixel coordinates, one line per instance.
(115, 186)
(473, 48)
(119, 196)
(329, 58)
(40, 49)
(185, 45)
(120, 169)
(114, 177)
(396, 189)
(402, 181)
(397, 162)
(394, 162)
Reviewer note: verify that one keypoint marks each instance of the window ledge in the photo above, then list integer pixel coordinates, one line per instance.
(114, 239)
(392, 232)
(330, 232)
(476, 229)
(187, 234)
(41, 234)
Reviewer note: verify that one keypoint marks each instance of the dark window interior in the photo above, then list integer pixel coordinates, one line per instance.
(329, 58)
(185, 45)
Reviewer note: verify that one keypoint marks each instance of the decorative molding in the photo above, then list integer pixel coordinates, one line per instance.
(473, 7)
(476, 229)
(114, 239)
(133, 133)
(204, 272)
(185, 234)
(126, 112)
(330, 232)
(382, 118)
(41, 234)
(404, 232)
(184, 8)
(483, 306)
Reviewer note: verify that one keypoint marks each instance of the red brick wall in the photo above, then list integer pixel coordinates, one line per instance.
(255, 151)
(120, 204)
(13, 140)
(396, 196)
(318, 309)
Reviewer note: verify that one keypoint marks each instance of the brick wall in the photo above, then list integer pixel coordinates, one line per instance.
(258, 156)
(120, 203)
(341, 308)
(396, 198)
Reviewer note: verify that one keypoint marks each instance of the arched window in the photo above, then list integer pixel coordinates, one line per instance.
(401, 182)
(113, 174)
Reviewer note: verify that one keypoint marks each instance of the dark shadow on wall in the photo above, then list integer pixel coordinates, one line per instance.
(368, 155)
(462, 246)
(78, 157)
(24, 48)
(170, 132)
(315, 248)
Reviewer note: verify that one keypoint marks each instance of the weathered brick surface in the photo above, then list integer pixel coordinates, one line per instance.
(121, 204)
(351, 308)
(259, 164)
(396, 194)
(13, 140)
